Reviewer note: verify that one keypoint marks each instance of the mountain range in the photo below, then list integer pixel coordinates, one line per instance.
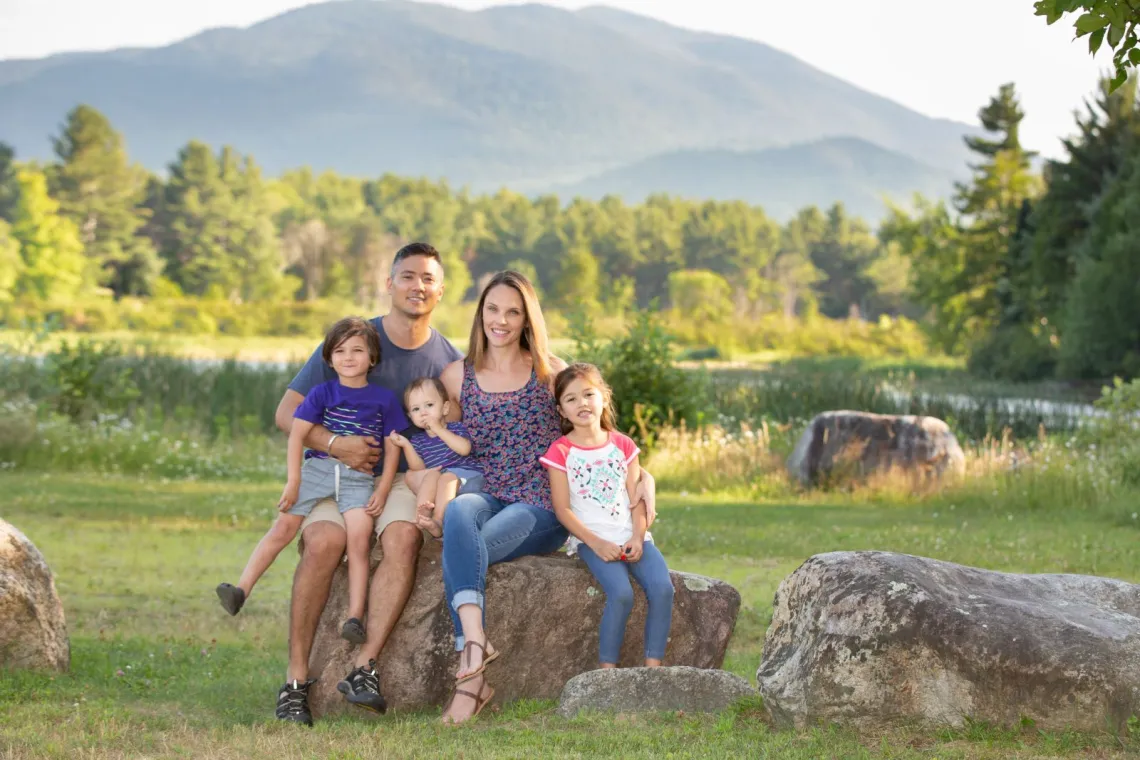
(529, 96)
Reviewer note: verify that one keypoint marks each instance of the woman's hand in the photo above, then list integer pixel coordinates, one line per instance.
(633, 549)
(647, 491)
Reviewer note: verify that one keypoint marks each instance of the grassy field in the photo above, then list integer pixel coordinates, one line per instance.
(159, 671)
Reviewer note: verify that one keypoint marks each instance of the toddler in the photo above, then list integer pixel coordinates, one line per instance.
(439, 455)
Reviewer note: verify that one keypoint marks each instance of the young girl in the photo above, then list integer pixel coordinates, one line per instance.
(593, 473)
(439, 460)
(347, 406)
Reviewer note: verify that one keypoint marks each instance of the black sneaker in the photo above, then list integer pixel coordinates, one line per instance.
(293, 703)
(231, 597)
(362, 687)
(353, 630)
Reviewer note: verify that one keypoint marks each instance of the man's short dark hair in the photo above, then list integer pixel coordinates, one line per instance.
(416, 249)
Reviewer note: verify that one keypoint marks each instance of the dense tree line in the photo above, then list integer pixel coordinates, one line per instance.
(215, 227)
(1035, 276)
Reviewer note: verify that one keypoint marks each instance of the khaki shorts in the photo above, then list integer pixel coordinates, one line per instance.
(400, 506)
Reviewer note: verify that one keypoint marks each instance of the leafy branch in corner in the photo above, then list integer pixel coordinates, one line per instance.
(1116, 22)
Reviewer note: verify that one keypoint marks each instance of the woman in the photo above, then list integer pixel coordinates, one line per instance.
(505, 389)
(505, 392)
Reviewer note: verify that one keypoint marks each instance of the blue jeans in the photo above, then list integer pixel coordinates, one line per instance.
(479, 531)
(653, 577)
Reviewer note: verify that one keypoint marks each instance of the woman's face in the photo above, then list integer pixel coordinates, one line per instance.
(504, 317)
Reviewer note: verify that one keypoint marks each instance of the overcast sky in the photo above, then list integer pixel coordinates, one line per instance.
(939, 58)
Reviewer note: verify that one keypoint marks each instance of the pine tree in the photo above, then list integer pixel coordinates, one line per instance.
(1102, 307)
(101, 193)
(843, 255)
(1107, 134)
(991, 205)
(216, 224)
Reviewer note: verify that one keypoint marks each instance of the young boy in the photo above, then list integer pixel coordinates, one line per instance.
(346, 406)
(439, 457)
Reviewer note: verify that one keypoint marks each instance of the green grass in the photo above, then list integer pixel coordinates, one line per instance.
(159, 671)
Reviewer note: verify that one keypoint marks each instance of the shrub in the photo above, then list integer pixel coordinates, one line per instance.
(1015, 353)
(649, 389)
(1118, 431)
(86, 379)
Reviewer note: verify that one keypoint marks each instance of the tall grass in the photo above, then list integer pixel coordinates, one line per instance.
(751, 396)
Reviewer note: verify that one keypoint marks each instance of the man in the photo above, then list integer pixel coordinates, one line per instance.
(410, 348)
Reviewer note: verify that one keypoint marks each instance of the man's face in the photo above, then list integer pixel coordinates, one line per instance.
(416, 285)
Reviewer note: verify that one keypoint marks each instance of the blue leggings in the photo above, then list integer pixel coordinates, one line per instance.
(653, 577)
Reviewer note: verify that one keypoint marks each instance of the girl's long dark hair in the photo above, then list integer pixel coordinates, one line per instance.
(593, 376)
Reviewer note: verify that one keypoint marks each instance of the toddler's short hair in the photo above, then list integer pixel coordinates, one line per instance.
(423, 382)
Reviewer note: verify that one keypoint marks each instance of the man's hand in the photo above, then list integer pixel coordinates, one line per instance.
(288, 496)
(375, 504)
(647, 491)
(357, 451)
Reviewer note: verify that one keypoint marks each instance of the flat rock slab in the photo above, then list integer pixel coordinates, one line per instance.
(846, 444)
(636, 690)
(872, 638)
(33, 631)
(543, 614)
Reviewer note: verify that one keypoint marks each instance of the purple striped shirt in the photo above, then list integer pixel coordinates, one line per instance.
(436, 453)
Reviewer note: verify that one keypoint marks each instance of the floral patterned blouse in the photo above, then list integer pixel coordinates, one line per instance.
(509, 432)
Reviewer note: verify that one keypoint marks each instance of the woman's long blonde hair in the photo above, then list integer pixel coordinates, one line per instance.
(534, 338)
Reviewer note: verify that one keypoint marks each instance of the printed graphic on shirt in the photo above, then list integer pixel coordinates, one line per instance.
(597, 482)
(599, 478)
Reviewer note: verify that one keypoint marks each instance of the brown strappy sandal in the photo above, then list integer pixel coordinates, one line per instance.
(479, 703)
(487, 660)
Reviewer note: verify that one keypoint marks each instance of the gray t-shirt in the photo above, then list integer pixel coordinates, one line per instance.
(397, 367)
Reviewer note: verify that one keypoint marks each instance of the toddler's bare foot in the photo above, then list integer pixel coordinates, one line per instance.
(425, 520)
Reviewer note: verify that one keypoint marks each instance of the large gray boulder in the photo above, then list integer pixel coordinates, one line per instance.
(871, 639)
(846, 444)
(542, 614)
(33, 632)
(635, 690)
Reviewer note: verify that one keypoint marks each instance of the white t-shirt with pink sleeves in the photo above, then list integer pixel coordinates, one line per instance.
(598, 495)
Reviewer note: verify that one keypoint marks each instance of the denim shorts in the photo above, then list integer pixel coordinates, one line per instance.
(470, 481)
(323, 478)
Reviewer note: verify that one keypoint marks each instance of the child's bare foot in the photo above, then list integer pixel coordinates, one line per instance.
(425, 520)
(431, 526)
